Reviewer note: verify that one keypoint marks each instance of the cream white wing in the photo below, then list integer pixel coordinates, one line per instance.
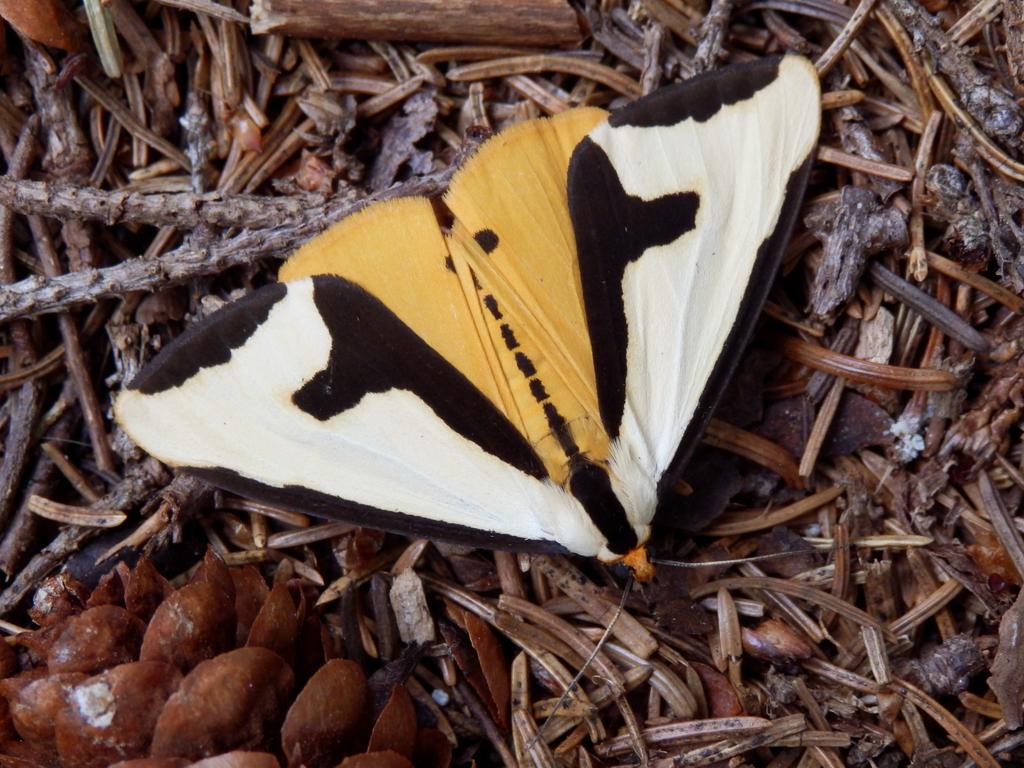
(682, 204)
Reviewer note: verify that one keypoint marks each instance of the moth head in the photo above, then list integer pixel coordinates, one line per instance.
(639, 564)
(637, 559)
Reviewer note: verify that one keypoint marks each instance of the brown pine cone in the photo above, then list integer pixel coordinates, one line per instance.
(138, 673)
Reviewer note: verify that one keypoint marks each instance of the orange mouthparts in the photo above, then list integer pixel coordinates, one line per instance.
(637, 561)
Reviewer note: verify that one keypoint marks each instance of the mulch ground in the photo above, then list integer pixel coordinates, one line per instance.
(163, 156)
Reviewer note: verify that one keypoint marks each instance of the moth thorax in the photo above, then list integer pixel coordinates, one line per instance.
(591, 485)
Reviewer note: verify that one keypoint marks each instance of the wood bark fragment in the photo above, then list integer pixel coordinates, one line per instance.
(409, 602)
(75, 356)
(1013, 23)
(27, 401)
(712, 34)
(20, 533)
(994, 109)
(851, 229)
(185, 210)
(36, 295)
(857, 138)
(516, 22)
(933, 311)
(1007, 680)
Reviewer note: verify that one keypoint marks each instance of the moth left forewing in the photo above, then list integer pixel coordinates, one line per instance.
(682, 203)
(314, 395)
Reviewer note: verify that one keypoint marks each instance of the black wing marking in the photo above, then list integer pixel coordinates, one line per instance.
(205, 345)
(612, 229)
(373, 351)
(313, 502)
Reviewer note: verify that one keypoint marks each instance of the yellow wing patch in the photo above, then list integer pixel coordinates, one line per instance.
(500, 296)
(395, 250)
(512, 228)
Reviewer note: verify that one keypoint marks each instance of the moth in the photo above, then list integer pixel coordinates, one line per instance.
(532, 377)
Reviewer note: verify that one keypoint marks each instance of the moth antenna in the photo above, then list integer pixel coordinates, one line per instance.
(717, 563)
(593, 655)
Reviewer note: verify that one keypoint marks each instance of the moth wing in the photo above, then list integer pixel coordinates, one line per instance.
(315, 395)
(395, 251)
(512, 230)
(682, 204)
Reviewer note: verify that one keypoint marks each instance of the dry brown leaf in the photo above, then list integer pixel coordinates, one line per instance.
(492, 664)
(801, 555)
(96, 639)
(239, 760)
(993, 561)
(235, 701)
(35, 700)
(251, 593)
(194, 624)
(718, 691)
(45, 21)
(111, 716)
(775, 641)
(1007, 680)
(433, 750)
(376, 760)
(680, 616)
(858, 423)
(473, 664)
(474, 572)
(276, 625)
(395, 729)
(330, 717)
